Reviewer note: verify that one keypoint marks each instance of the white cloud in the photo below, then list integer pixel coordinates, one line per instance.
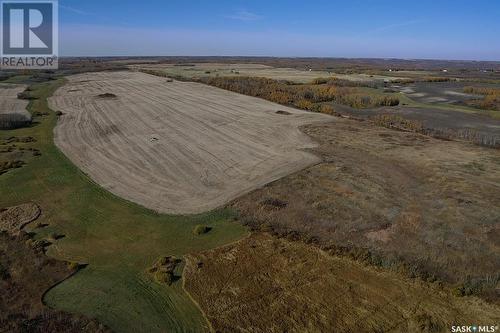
(74, 10)
(244, 15)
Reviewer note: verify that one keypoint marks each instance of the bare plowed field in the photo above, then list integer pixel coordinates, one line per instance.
(177, 147)
(9, 103)
(257, 70)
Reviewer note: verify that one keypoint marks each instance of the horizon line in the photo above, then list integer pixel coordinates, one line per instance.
(278, 57)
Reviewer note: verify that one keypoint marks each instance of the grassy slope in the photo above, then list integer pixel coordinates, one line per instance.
(118, 239)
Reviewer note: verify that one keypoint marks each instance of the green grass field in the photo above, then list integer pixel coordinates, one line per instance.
(118, 240)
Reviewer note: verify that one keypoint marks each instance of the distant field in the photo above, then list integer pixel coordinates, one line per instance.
(177, 147)
(288, 74)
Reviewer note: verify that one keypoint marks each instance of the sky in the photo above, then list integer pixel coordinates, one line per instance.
(437, 29)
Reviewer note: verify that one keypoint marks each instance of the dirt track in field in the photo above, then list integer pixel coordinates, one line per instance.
(177, 147)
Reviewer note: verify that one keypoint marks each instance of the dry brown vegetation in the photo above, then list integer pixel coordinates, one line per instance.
(25, 274)
(490, 101)
(399, 200)
(13, 219)
(465, 134)
(423, 79)
(398, 122)
(307, 97)
(264, 284)
(335, 81)
(436, 79)
(481, 90)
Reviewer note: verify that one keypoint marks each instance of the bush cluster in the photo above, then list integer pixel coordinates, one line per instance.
(14, 120)
(398, 122)
(163, 270)
(490, 101)
(7, 165)
(303, 96)
(201, 229)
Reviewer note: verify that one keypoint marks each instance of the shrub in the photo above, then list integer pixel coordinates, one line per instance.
(164, 277)
(107, 95)
(275, 203)
(153, 72)
(334, 81)
(490, 101)
(327, 109)
(73, 266)
(436, 79)
(201, 229)
(284, 113)
(4, 273)
(426, 323)
(481, 91)
(53, 236)
(398, 122)
(403, 81)
(41, 244)
(467, 134)
(320, 80)
(40, 113)
(7, 165)
(304, 104)
(26, 95)
(14, 120)
(163, 270)
(424, 79)
(302, 96)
